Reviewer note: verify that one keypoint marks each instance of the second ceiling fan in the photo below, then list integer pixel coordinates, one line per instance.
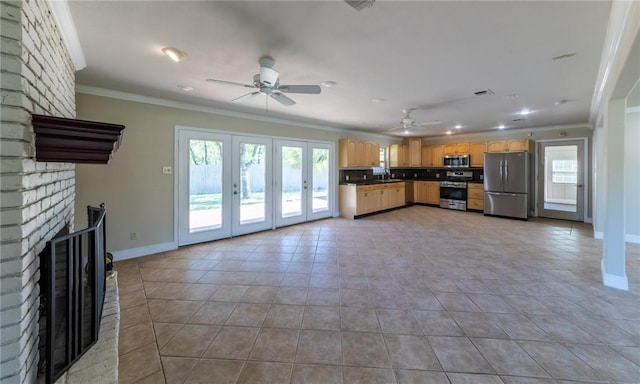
(407, 123)
(267, 83)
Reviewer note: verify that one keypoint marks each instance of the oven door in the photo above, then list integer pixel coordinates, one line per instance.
(453, 193)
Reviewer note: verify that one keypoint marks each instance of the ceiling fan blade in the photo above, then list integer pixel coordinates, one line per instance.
(230, 83)
(282, 99)
(312, 89)
(428, 123)
(248, 95)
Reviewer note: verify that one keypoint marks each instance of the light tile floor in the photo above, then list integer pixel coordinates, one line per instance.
(417, 295)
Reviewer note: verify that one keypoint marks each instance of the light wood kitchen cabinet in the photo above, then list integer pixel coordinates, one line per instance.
(475, 196)
(363, 199)
(476, 153)
(520, 145)
(398, 155)
(437, 156)
(432, 155)
(358, 153)
(414, 152)
(456, 149)
(427, 192)
(372, 153)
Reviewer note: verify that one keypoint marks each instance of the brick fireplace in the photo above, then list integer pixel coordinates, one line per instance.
(37, 198)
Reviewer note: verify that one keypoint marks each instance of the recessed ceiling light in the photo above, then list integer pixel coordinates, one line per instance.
(458, 126)
(525, 112)
(328, 84)
(501, 126)
(448, 132)
(185, 88)
(378, 100)
(174, 53)
(406, 132)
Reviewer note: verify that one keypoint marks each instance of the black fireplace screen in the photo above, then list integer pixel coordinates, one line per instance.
(72, 287)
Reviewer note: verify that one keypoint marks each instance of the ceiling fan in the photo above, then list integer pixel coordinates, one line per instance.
(267, 83)
(407, 123)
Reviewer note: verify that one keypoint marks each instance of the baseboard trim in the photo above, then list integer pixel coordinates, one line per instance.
(632, 238)
(131, 253)
(614, 281)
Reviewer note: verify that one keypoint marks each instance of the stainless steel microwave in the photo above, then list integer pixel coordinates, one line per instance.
(456, 161)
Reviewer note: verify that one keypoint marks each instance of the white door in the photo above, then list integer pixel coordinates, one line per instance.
(204, 191)
(303, 181)
(252, 185)
(561, 180)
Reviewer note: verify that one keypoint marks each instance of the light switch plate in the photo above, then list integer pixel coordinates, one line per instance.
(166, 170)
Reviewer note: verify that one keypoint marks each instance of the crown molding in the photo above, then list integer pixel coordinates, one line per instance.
(113, 94)
(621, 32)
(62, 16)
(482, 135)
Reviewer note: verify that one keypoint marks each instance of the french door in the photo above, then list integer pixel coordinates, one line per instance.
(303, 181)
(561, 180)
(204, 186)
(227, 184)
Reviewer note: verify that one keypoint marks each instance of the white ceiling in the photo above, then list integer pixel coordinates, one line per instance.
(427, 55)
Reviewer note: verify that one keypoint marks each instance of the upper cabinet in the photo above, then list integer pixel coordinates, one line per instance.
(432, 155)
(476, 153)
(456, 149)
(520, 145)
(398, 155)
(415, 152)
(358, 153)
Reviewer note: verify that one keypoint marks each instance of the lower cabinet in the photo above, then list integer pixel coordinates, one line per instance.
(475, 196)
(363, 199)
(427, 192)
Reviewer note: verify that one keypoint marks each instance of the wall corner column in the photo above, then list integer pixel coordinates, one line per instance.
(613, 250)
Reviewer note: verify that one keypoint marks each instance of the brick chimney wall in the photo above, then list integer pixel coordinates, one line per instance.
(36, 198)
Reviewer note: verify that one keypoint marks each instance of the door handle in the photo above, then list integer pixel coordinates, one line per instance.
(579, 185)
(501, 166)
(235, 192)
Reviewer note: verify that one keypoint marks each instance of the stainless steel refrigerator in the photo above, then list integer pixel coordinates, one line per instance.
(506, 184)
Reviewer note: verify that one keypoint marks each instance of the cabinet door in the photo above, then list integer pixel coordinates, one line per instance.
(373, 154)
(437, 156)
(518, 145)
(497, 146)
(362, 202)
(449, 149)
(476, 153)
(433, 192)
(462, 148)
(426, 156)
(415, 152)
(360, 153)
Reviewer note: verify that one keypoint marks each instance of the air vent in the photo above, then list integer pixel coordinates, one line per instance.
(519, 119)
(485, 92)
(360, 5)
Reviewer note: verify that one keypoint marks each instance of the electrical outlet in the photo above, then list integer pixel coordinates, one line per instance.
(166, 170)
(133, 236)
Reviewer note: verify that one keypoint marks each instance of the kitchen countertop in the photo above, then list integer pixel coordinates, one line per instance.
(374, 182)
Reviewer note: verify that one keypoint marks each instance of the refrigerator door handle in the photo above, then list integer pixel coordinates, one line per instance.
(500, 169)
(506, 170)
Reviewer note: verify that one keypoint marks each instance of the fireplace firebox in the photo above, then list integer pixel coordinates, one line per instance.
(72, 288)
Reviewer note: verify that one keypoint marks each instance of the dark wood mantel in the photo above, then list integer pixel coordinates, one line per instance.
(74, 141)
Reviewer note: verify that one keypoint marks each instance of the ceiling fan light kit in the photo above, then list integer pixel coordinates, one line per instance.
(268, 83)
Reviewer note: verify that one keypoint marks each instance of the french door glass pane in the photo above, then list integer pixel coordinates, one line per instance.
(320, 192)
(561, 174)
(205, 185)
(253, 180)
(291, 181)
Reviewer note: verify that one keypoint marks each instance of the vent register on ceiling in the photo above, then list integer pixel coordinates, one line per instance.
(75, 141)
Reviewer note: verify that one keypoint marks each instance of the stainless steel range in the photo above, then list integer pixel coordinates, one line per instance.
(453, 191)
